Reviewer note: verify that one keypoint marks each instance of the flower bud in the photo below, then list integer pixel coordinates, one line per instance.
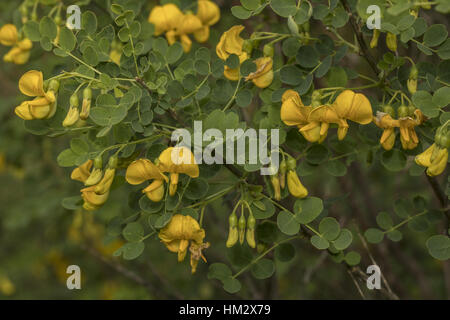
(250, 236)
(53, 85)
(291, 163)
(86, 106)
(412, 85)
(74, 102)
(389, 110)
(295, 186)
(391, 41)
(72, 117)
(94, 178)
(268, 50)
(375, 36)
(112, 162)
(293, 27)
(403, 111)
(316, 97)
(276, 186)
(241, 226)
(283, 170)
(261, 247)
(233, 231)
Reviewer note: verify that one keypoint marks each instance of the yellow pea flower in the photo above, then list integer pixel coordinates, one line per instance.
(354, 107)
(374, 40)
(82, 172)
(179, 233)
(408, 135)
(323, 116)
(231, 43)
(391, 41)
(176, 160)
(165, 18)
(295, 187)
(44, 105)
(142, 170)
(263, 76)
(385, 122)
(8, 35)
(209, 13)
(434, 159)
(93, 200)
(294, 113)
(20, 53)
(188, 24)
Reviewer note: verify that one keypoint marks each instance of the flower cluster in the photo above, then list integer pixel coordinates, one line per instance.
(313, 121)
(97, 182)
(406, 124)
(43, 106)
(173, 160)
(181, 232)
(169, 19)
(232, 43)
(20, 51)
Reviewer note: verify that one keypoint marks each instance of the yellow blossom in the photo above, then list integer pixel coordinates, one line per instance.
(187, 24)
(82, 172)
(434, 159)
(8, 35)
(165, 18)
(295, 187)
(209, 13)
(354, 107)
(142, 170)
(263, 75)
(179, 233)
(385, 122)
(408, 135)
(231, 43)
(176, 160)
(20, 53)
(294, 113)
(41, 107)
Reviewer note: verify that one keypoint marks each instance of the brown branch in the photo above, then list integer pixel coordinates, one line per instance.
(359, 36)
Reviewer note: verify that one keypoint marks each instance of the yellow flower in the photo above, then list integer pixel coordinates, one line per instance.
(209, 13)
(20, 53)
(231, 43)
(165, 18)
(8, 35)
(179, 232)
(187, 24)
(375, 36)
(434, 159)
(391, 41)
(354, 107)
(294, 113)
(263, 75)
(82, 172)
(295, 187)
(385, 122)
(176, 160)
(142, 170)
(114, 56)
(408, 135)
(44, 105)
(323, 116)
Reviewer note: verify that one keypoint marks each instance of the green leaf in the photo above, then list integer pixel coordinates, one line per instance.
(263, 269)
(130, 250)
(344, 240)
(435, 35)
(394, 235)
(197, 189)
(384, 220)
(284, 8)
(287, 223)
(319, 242)
(444, 50)
(244, 98)
(133, 232)
(285, 252)
(352, 258)
(67, 40)
(31, 30)
(231, 285)
(374, 235)
(307, 57)
(317, 154)
(240, 12)
(441, 97)
(306, 210)
(439, 247)
(336, 168)
(329, 228)
(47, 28)
(337, 77)
(89, 22)
(263, 212)
(290, 75)
(251, 4)
(174, 53)
(90, 56)
(393, 160)
(424, 101)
